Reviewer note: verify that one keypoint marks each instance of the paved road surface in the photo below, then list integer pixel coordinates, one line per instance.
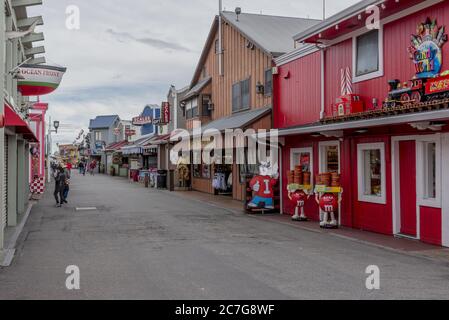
(144, 244)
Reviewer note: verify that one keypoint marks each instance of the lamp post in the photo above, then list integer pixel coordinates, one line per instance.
(56, 125)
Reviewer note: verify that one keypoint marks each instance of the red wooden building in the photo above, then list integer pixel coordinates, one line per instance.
(390, 155)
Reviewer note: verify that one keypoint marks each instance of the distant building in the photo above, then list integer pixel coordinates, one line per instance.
(102, 133)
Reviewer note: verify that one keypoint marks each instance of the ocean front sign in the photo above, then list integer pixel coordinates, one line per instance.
(425, 50)
(38, 80)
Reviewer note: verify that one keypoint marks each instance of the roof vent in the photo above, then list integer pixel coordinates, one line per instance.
(238, 11)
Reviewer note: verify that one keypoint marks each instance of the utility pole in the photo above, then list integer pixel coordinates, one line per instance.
(2, 128)
(220, 38)
(324, 9)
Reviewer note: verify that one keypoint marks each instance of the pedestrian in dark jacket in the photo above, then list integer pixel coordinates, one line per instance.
(66, 185)
(60, 180)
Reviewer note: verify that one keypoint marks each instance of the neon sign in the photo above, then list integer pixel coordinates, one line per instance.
(426, 49)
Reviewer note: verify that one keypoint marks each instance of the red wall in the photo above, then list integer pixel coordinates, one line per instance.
(297, 99)
(297, 96)
(431, 225)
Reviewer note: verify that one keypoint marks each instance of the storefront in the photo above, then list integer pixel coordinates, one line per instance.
(116, 163)
(374, 147)
(139, 159)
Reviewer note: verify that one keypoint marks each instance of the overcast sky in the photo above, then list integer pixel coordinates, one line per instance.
(128, 53)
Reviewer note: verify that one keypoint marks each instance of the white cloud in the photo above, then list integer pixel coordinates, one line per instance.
(127, 53)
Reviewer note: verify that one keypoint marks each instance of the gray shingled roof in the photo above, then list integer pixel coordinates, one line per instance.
(197, 88)
(102, 122)
(239, 120)
(273, 34)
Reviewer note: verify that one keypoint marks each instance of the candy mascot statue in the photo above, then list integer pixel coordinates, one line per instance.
(328, 203)
(298, 198)
(263, 185)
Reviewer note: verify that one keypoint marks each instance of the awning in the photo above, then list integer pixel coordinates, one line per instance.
(116, 146)
(196, 90)
(157, 141)
(12, 119)
(436, 115)
(137, 146)
(239, 120)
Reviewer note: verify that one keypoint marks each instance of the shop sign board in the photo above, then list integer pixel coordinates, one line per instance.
(141, 120)
(165, 112)
(426, 49)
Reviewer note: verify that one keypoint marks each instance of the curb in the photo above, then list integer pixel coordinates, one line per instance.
(10, 248)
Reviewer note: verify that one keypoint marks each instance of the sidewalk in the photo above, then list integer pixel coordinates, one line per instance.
(405, 246)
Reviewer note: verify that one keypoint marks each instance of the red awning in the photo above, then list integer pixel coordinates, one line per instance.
(116, 146)
(12, 119)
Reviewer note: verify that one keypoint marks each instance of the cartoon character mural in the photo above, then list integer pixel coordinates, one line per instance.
(263, 187)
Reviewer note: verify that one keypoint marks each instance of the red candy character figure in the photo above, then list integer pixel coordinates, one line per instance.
(329, 205)
(299, 198)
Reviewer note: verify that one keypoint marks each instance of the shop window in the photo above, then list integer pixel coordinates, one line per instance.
(371, 173)
(241, 95)
(302, 157)
(330, 157)
(430, 186)
(197, 171)
(429, 172)
(368, 56)
(268, 82)
(205, 171)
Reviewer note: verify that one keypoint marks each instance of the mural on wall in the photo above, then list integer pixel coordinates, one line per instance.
(425, 50)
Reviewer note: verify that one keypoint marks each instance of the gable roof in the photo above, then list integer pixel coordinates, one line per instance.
(103, 122)
(271, 34)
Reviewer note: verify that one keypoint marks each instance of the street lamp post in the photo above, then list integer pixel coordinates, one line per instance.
(56, 125)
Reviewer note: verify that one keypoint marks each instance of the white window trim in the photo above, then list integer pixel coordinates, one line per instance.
(372, 75)
(322, 145)
(361, 174)
(420, 175)
(302, 150)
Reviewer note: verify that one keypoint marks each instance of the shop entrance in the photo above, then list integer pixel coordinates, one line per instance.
(329, 163)
(407, 188)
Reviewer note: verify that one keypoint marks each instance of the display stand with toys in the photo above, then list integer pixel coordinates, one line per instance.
(328, 195)
(299, 189)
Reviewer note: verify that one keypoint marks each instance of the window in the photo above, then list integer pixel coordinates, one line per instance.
(192, 110)
(304, 158)
(368, 55)
(371, 173)
(430, 181)
(217, 46)
(268, 82)
(98, 136)
(241, 95)
(428, 171)
(197, 171)
(330, 157)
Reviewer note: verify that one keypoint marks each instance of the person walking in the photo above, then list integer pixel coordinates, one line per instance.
(59, 186)
(93, 165)
(82, 168)
(66, 185)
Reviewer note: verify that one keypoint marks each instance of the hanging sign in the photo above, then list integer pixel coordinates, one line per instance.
(425, 50)
(130, 133)
(165, 113)
(38, 80)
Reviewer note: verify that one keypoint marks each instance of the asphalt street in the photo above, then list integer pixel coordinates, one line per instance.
(149, 244)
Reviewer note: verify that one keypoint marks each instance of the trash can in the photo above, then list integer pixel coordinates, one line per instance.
(162, 179)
